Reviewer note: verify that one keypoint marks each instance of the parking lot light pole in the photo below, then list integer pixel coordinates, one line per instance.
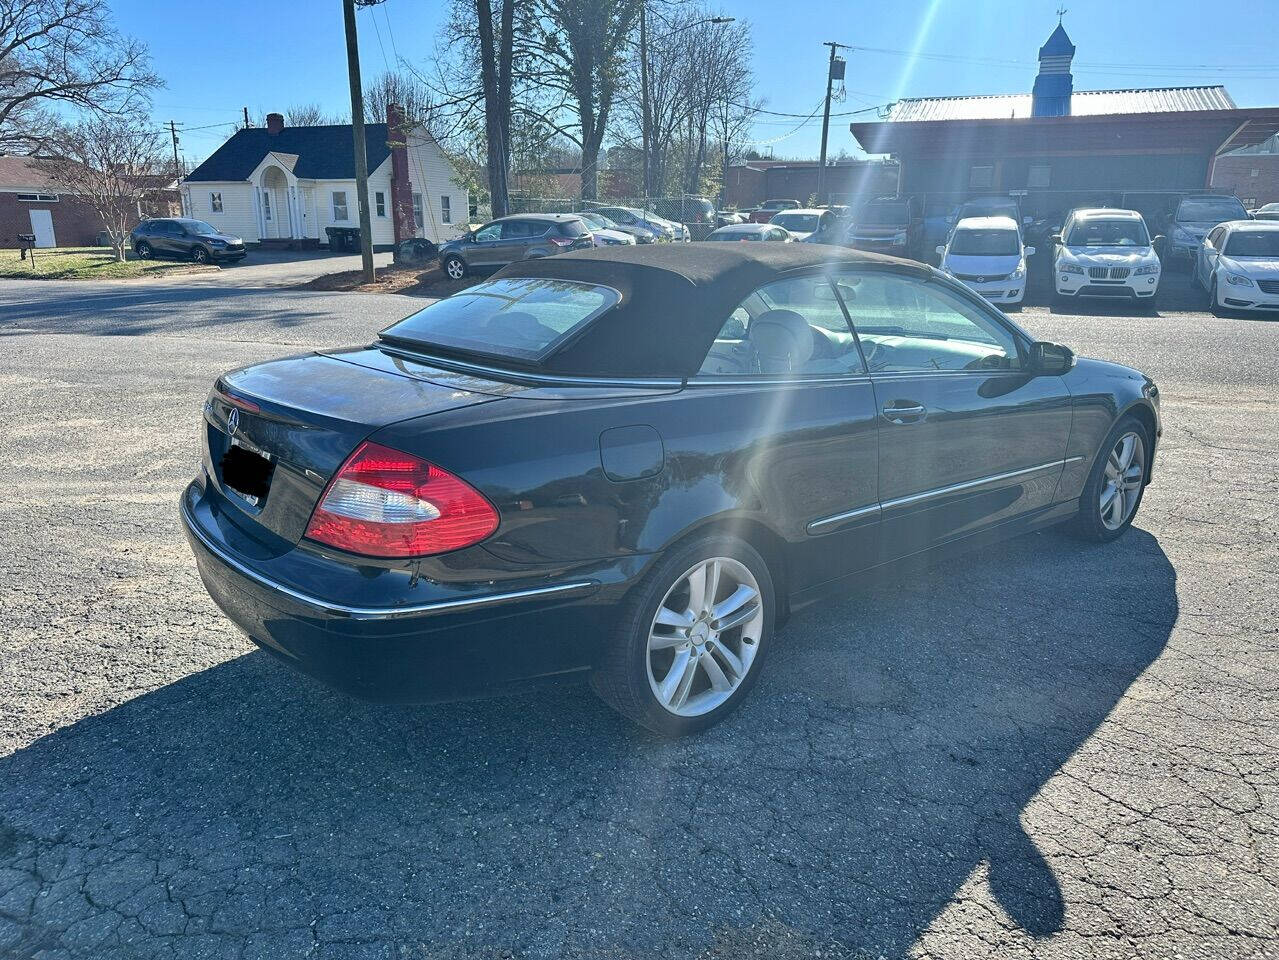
(646, 109)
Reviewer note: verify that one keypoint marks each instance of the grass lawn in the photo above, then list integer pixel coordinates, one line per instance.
(86, 263)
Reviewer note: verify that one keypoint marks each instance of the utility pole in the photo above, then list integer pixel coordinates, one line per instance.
(177, 164)
(357, 133)
(835, 71)
(246, 119)
(646, 110)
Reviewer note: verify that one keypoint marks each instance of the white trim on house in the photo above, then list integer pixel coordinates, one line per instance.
(303, 208)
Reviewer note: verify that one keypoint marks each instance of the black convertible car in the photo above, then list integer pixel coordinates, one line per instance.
(635, 462)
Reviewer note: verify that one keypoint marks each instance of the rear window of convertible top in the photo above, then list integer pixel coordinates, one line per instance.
(520, 318)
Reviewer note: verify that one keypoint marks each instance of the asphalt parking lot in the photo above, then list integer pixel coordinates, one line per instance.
(1046, 749)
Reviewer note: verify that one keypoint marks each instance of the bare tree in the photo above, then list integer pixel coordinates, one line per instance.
(586, 44)
(113, 163)
(311, 115)
(399, 86)
(64, 52)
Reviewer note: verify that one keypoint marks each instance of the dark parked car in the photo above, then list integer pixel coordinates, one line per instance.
(892, 225)
(634, 463)
(525, 236)
(185, 239)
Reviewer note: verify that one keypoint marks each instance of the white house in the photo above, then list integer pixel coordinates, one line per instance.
(278, 183)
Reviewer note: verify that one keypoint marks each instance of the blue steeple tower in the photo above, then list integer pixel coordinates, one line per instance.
(1054, 85)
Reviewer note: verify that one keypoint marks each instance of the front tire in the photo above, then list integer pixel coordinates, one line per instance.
(691, 638)
(1214, 304)
(454, 268)
(144, 251)
(200, 255)
(1116, 484)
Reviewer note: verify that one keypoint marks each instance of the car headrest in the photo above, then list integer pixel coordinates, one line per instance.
(782, 340)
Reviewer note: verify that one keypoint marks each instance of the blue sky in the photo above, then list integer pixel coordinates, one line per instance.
(269, 55)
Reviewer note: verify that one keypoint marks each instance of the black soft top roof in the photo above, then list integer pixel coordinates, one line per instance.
(674, 298)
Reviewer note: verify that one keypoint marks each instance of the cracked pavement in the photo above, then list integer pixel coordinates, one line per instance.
(1044, 749)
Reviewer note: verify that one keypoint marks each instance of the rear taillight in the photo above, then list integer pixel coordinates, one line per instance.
(386, 503)
(564, 241)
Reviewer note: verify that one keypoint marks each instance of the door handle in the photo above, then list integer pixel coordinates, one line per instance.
(905, 411)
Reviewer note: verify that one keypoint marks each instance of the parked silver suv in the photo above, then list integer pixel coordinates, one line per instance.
(507, 239)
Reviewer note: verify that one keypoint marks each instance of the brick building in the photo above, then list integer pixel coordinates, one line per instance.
(1253, 174)
(751, 183)
(32, 202)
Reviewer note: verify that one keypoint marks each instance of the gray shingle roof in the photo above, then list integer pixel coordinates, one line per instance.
(1083, 103)
(323, 153)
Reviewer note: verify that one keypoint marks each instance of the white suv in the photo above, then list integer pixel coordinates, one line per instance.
(1106, 253)
(986, 254)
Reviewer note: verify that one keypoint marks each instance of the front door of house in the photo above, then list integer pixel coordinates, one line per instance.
(42, 227)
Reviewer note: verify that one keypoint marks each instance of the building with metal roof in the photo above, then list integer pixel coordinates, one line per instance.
(1057, 147)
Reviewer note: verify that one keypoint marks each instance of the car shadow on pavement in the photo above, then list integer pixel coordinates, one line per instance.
(885, 762)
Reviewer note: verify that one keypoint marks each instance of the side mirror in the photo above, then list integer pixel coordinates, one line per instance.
(1159, 243)
(1055, 239)
(1050, 358)
(941, 248)
(1027, 220)
(1029, 251)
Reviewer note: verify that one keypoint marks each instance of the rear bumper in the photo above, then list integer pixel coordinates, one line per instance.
(421, 641)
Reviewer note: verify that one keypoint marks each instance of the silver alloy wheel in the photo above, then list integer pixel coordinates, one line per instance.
(1121, 480)
(455, 268)
(704, 636)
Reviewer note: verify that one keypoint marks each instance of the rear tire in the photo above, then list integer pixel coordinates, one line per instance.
(1115, 473)
(454, 267)
(667, 637)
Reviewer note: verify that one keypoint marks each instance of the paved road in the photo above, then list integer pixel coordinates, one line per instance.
(1048, 749)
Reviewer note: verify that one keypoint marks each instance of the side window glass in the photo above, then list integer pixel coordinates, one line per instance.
(791, 327)
(516, 230)
(492, 232)
(906, 325)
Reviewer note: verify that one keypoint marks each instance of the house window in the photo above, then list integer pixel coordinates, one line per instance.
(339, 205)
(446, 215)
(266, 205)
(1040, 176)
(417, 212)
(39, 197)
(215, 202)
(472, 210)
(379, 201)
(981, 177)
(1254, 172)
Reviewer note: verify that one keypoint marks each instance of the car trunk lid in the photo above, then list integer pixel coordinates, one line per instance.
(276, 432)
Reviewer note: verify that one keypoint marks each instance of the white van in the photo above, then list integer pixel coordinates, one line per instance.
(987, 255)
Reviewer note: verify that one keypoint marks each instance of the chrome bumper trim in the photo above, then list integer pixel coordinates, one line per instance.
(379, 613)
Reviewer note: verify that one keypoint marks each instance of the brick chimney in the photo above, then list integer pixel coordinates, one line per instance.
(401, 188)
(274, 123)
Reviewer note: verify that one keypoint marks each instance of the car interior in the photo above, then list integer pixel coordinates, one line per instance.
(798, 328)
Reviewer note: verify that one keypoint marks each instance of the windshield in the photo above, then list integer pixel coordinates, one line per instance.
(198, 227)
(1108, 233)
(1255, 243)
(1210, 211)
(986, 243)
(598, 222)
(990, 208)
(799, 222)
(737, 235)
(884, 215)
(516, 317)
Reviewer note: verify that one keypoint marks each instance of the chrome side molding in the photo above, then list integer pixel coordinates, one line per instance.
(824, 523)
